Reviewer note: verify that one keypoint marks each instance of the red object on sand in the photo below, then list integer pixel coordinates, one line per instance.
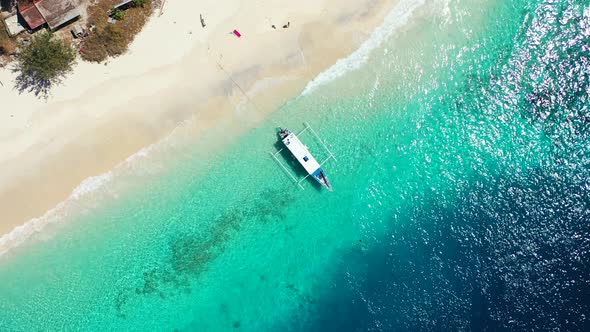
(237, 33)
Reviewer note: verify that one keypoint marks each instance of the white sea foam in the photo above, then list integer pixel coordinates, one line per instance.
(92, 184)
(21, 233)
(396, 18)
(444, 11)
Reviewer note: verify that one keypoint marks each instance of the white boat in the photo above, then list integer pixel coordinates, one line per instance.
(304, 157)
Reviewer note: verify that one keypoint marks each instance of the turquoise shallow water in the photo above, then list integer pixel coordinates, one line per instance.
(461, 201)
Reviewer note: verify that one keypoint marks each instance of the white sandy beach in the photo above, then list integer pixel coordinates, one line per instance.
(103, 113)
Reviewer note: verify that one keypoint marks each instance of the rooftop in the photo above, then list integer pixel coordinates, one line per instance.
(301, 153)
(123, 3)
(57, 12)
(53, 12)
(14, 27)
(31, 15)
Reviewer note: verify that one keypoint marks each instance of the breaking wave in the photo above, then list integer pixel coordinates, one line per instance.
(396, 18)
(90, 185)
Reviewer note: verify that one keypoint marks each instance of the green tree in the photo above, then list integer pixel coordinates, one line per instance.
(139, 3)
(7, 5)
(117, 14)
(43, 63)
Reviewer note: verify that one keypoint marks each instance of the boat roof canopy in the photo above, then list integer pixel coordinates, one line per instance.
(300, 151)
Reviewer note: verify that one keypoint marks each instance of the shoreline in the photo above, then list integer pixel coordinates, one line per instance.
(114, 133)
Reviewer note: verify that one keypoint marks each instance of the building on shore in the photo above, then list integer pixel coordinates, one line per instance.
(125, 4)
(53, 13)
(31, 15)
(13, 25)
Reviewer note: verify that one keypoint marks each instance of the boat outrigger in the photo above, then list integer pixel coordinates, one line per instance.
(304, 157)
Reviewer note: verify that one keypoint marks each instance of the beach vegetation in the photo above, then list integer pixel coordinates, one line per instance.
(7, 44)
(118, 14)
(139, 3)
(112, 39)
(106, 41)
(44, 62)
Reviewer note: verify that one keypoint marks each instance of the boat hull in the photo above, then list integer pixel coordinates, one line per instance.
(304, 157)
(320, 176)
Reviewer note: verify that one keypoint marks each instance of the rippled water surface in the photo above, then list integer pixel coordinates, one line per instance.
(461, 201)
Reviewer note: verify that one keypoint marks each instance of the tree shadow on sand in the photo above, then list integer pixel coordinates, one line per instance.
(31, 83)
